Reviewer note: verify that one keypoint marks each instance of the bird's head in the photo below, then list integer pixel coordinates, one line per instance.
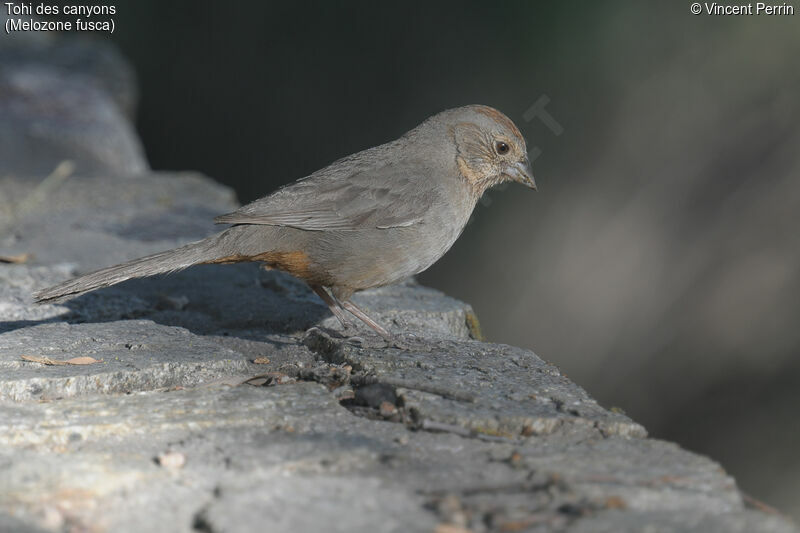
(489, 148)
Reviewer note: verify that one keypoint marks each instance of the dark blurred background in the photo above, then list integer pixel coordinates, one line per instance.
(657, 265)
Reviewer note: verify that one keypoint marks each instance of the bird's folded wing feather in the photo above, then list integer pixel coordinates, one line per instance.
(385, 196)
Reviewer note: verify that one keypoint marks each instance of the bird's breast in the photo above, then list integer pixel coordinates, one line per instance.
(374, 257)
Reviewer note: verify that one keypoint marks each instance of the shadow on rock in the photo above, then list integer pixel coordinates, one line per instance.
(230, 300)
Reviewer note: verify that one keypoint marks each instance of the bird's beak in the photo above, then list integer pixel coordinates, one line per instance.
(522, 173)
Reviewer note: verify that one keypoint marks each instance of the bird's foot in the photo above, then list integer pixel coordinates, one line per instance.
(394, 342)
(375, 341)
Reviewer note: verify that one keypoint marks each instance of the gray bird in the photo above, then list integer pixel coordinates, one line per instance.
(367, 220)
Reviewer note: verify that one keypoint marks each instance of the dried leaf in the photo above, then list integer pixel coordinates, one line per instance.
(54, 362)
(42, 360)
(86, 360)
(15, 259)
(261, 361)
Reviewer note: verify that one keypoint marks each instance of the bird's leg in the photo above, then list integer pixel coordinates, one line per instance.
(332, 304)
(380, 330)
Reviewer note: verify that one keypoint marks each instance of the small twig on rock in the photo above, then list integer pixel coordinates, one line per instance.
(752, 503)
(512, 487)
(431, 425)
(15, 259)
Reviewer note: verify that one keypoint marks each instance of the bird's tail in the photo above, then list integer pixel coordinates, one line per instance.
(160, 263)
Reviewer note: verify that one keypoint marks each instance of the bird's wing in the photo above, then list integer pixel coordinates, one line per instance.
(346, 197)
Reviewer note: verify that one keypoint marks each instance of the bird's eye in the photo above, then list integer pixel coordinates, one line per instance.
(501, 147)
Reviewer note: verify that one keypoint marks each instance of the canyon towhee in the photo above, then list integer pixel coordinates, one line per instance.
(367, 220)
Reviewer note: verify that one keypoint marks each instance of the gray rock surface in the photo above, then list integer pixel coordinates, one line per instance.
(91, 222)
(225, 398)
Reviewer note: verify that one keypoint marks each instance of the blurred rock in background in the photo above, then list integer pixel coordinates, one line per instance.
(72, 100)
(658, 264)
